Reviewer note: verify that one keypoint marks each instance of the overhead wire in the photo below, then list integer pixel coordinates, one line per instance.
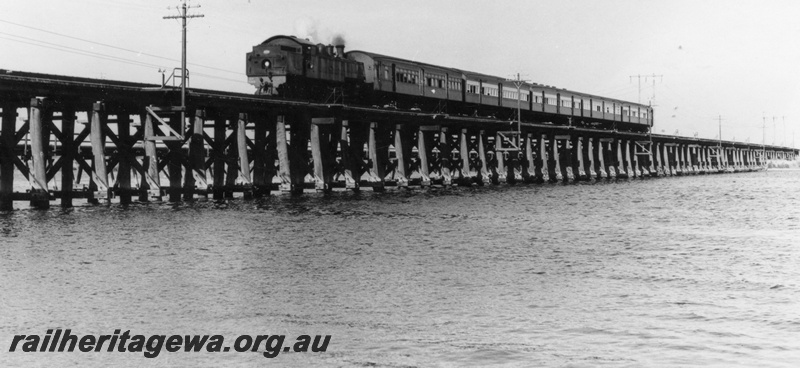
(117, 47)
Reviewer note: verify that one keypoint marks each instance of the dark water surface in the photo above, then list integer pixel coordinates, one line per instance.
(691, 271)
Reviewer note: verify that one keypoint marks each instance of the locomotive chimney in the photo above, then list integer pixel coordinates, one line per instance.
(340, 51)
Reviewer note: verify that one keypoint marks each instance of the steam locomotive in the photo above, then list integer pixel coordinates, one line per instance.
(294, 68)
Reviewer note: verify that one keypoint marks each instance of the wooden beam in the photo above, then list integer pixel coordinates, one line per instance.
(263, 154)
(285, 168)
(40, 196)
(320, 137)
(7, 143)
(558, 170)
(485, 174)
(218, 153)
(350, 159)
(445, 150)
(174, 158)
(196, 182)
(378, 156)
(125, 158)
(401, 151)
(244, 157)
(466, 176)
(542, 161)
(500, 160)
(424, 146)
(529, 174)
(151, 181)
(231, 159)
(298, 150)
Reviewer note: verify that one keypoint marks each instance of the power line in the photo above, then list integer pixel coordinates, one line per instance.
(113, 47)
(57, 47)
(654, 76)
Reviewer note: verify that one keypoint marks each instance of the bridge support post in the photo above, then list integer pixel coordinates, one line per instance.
(196, 173)
(220, 139)
(7, 156)
(698, 159)
(40, 196)
(68, 155)
(668, 169)
(294, 164)
(424, 146)
(529, 173)
(592, 163)
(620, 159)
(633, 170)
(609, 155)
(485, 176)
(151, 179)
(293, 157)
(513, 172)
(285, 169)
(231, 158)
(244, 158)
(558, 170)
(125, 156)
(581, 151)
(350, 156)
(445, 150)
(713, 162)
(570, 159)
(263, 155)
(402, 152)
(98, 139)
(466, 177)
(320, 154)
(500, 160)
(542, 161)
(378, 155)
(174, 157)
(601, 153)
(638, 167)
(675, 160)
(740, 156)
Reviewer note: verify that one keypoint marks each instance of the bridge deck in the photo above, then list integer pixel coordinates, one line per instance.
(122, 140)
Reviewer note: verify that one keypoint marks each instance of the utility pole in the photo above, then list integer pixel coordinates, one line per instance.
(773, 130)
(518, 82)
(720, 131)
(764, 132)
(183, 16)
(639, 77)
(783, 142)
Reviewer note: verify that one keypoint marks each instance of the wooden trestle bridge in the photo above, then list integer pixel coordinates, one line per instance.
(109, 140)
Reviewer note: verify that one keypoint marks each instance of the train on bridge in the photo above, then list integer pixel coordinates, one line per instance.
(294, 68)
(325, 119)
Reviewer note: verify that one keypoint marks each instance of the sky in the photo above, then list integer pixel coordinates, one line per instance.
(734, 60)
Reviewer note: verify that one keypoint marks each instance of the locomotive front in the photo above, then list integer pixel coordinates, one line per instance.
(273, 62)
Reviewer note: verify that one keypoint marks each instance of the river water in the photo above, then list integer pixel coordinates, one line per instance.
(689, 271)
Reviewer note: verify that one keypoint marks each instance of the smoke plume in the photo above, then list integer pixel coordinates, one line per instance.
(309, 28)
